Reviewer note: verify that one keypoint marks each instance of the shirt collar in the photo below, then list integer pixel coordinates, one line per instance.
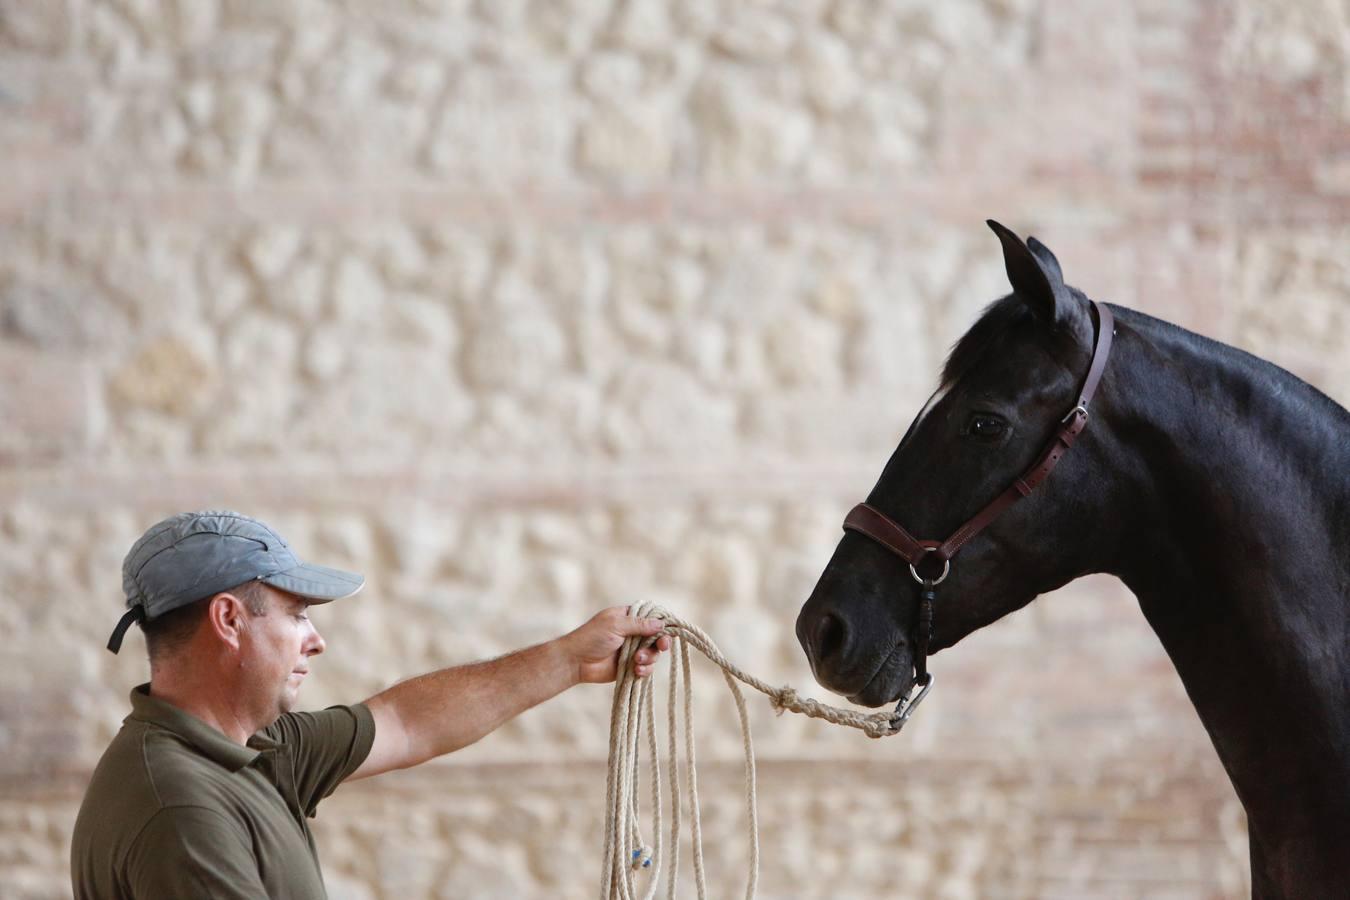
(209, 741)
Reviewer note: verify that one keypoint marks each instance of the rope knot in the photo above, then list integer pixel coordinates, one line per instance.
(877, 727)
(784, 699)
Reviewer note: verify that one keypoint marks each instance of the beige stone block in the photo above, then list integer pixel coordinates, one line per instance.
(48, 404)
(46, 28)
(497, 125)
(612, 76)
(324, 353)
(271, 250)
(60, 313)
(299, 292)
(173, 375)
(358, 292)
(627, 144)
(744, 129)
(760, 35)
(1291, 303)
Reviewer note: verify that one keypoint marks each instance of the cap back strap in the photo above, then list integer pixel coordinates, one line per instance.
(135, 614)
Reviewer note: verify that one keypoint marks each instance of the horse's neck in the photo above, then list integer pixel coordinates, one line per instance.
(1239, 476)
(1238, 453)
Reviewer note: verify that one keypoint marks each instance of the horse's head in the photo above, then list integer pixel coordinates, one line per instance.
(1004, 392)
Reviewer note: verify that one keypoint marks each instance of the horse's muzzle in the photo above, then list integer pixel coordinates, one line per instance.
(859, 664)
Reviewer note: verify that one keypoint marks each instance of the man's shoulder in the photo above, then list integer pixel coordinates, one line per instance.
(332, 724)
(121, 780)
(146, 769)
(121, 799)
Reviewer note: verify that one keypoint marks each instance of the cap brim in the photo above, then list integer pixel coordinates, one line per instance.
(318, 584)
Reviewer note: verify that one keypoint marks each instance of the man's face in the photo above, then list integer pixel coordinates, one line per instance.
(276, 654)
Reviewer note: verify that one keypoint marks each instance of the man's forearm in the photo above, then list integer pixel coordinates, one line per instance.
(443, 711)
(451, 708)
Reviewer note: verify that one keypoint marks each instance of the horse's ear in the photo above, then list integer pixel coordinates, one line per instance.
(1047, 259)
(1034, 274)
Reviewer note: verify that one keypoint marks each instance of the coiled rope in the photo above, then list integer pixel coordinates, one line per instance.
(626, 852)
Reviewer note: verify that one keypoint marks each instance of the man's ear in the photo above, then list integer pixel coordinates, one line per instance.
(227, 619)
(1035, 276)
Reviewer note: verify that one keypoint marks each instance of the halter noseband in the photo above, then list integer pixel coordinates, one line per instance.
(871, 522)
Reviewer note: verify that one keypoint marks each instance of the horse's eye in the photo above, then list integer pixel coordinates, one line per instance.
(985, 426)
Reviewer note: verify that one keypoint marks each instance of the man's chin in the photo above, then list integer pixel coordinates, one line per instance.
(286, 702)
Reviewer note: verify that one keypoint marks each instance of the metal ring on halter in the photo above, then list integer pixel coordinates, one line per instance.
(946, 567)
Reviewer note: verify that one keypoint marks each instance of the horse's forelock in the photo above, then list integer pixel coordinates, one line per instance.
(996, 320)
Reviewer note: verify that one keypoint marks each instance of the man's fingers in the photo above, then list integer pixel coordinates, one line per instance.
(631, 627)
(649, 653)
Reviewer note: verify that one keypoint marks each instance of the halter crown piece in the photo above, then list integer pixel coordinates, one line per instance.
(871, 522)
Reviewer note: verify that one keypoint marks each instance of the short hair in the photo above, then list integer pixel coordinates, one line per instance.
(166, 633)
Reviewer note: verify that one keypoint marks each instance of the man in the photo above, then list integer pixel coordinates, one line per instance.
(206, 790)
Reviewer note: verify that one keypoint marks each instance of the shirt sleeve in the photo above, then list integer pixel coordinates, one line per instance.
(189, 852)
(325, 748)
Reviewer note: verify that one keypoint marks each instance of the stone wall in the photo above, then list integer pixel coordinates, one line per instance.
(527, 308)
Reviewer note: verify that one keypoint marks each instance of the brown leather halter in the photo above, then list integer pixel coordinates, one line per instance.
(869, 521)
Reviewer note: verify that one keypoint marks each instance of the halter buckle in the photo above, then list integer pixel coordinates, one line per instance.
(1081, 407)
(910, 702)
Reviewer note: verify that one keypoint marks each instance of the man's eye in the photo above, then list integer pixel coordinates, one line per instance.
(985, 427)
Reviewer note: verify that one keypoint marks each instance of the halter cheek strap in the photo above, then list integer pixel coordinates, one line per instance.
(876, 525)
(871, 522)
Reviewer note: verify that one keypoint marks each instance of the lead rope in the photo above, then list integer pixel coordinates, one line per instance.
(626, 852)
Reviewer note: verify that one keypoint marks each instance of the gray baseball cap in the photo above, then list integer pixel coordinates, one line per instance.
(194, 555)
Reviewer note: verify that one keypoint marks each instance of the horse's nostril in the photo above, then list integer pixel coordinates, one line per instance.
(830, 634)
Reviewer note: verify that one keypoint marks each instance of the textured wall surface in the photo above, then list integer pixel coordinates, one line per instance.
(527, 308)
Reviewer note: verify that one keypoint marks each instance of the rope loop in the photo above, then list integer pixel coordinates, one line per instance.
(626, 852)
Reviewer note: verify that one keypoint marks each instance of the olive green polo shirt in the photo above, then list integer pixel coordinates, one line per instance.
(177, 809)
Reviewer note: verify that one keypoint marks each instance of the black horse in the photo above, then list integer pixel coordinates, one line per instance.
(1215, 485)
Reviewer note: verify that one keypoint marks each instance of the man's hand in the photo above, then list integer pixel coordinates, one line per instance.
(594, 647)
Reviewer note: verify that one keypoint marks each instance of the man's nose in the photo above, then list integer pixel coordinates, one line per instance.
(316, 644)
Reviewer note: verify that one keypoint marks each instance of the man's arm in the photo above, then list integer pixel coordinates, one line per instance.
(442, 711)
